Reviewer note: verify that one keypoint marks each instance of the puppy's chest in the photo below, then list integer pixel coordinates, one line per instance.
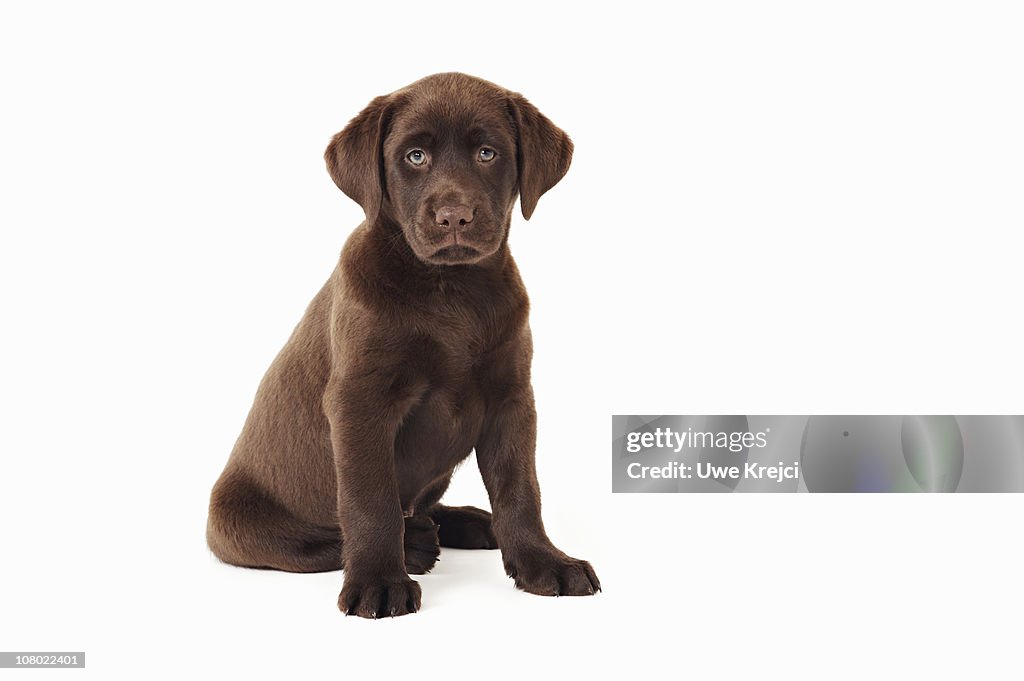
(456, 364)
(445, 422)
(464, 334)
(459, 347)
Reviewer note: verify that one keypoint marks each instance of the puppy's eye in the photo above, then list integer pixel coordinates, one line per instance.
(487, 154)
(417, 157)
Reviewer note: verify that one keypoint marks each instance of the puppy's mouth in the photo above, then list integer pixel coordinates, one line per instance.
(455, 254)
(454, 247)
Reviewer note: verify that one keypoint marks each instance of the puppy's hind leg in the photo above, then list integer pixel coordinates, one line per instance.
(463, 527)
(247, 527)
(459, 527)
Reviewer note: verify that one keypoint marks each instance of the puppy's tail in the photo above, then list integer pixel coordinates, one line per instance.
(249, 528)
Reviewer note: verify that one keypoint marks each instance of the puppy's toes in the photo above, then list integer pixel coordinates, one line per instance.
(422, 547)
(577, 579)
(553, 574)
(420, 561)
(379, 598)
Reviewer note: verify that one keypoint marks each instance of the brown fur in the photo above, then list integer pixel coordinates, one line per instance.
(415, 352)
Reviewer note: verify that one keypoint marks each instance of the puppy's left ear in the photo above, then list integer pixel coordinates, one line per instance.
(355, 156)
(544, 152)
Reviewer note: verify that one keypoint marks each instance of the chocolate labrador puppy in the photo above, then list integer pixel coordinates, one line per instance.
(416, 352)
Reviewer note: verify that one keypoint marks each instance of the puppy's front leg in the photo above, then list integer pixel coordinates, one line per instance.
(505, 454)
(363, 428)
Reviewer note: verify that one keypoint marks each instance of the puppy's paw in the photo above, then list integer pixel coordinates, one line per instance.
(552, 574)
(464, 527)
(379, 597)
(421, 544)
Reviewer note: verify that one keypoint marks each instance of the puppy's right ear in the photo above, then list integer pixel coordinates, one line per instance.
(355, 157)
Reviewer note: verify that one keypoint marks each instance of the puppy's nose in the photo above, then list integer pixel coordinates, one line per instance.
(453, 216)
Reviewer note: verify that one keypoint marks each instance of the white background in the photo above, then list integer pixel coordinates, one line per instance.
(773, 208)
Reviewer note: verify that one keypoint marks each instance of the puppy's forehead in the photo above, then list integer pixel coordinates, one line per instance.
(450, 103)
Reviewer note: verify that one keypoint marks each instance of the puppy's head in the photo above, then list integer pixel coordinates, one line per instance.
(445, 159)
